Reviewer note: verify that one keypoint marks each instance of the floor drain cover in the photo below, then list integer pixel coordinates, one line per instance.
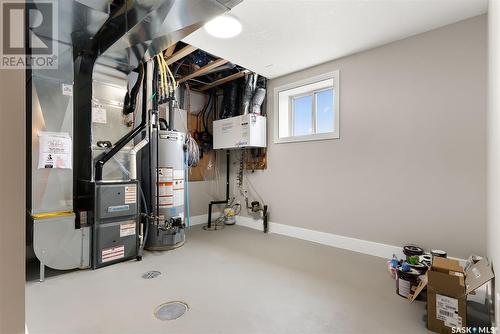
(171, 310)
(151, 274)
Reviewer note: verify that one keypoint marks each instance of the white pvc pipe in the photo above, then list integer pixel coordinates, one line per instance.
(133, 157)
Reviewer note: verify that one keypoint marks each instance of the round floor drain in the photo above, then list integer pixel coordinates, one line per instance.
(151, 274)
(171, 310)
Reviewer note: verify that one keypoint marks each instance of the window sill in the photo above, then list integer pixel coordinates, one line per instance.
(295, 139)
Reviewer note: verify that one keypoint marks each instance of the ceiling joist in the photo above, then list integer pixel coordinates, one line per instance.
(202, 70)
(224, 80)
(170, 50)
(180, 54)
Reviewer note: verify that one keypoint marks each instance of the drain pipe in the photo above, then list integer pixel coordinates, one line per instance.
(133, 157)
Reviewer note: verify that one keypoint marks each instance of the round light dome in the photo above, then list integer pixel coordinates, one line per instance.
(224, 26)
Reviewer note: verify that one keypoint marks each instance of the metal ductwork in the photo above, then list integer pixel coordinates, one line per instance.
(134, 32)
(100, 44)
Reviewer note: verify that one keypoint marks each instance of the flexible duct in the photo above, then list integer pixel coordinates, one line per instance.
(131, 97)
(257, 100)
(229, 100)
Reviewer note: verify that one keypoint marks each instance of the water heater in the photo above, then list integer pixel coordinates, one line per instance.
(168, 189)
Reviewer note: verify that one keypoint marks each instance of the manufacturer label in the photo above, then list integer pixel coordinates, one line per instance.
(404, 287)
(447, 311)
(130, 194)
(113, 253)
(118, 208)
(127, 229)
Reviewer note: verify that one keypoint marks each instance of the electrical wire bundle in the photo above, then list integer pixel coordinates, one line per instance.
(193, 151)
(168, 84)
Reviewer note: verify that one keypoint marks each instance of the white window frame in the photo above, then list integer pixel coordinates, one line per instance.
(316, 136)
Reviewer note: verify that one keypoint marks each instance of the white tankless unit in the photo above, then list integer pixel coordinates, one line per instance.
(169, 186)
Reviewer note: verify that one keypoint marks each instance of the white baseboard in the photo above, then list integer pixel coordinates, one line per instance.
(356, 245)
(352, 244)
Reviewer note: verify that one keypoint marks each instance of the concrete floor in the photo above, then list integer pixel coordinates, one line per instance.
(236, 280)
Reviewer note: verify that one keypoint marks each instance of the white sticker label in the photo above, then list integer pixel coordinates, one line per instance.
(99, 114)
(55, 151)
(113, 253)
(226, 127)
(404, 287)
(179, 174)
(67, 89)
(130, 194)
(447, 311)
(166, 201)
(127, 229)
(165, 174)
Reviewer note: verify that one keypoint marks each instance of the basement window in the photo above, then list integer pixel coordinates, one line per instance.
(307, 110)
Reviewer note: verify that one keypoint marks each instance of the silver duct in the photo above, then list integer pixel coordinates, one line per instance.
(151, 26)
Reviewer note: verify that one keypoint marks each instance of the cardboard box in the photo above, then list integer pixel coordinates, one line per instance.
(447, 289)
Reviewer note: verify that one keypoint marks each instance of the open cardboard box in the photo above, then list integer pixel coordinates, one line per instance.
(447, 288)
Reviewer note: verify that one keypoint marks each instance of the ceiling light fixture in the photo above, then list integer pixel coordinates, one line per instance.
(223, 26)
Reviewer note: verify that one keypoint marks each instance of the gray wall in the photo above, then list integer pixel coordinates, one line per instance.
(12, 201)
(494, 143)
(411, 159)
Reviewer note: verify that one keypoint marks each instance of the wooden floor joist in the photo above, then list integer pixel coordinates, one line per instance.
(170, 50)
(180, 54)
(224, 80)
(202, 70)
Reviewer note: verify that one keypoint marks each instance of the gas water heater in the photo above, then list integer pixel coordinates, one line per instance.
(167, 231)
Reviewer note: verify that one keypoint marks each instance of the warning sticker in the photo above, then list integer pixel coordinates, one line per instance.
(99, 114)
(447, 311)
(130, 194)
(113, 253)
(165, 174)
(127, 229)
(166, 189)
(67, 89)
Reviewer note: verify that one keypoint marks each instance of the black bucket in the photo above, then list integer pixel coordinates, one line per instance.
(406, 280)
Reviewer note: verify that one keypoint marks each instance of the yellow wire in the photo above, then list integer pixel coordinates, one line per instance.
(162, 88)
(165, 67)
(173, 78)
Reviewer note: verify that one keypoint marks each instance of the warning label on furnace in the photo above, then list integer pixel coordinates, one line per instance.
(130, 194)
(447, 311)
(113, 253)
(127, 229)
